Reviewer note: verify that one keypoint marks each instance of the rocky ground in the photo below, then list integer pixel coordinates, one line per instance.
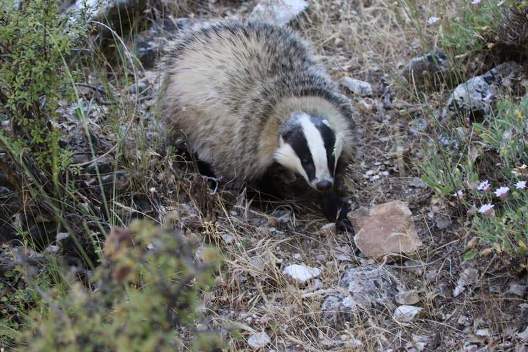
(289, 281)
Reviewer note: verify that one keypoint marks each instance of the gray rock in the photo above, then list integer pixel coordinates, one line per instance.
(468, 277)
(474, 96)
(109, 11)
(152, 43)
(361, 88)
(523, 335)
(418, 126)
(278, 12)
(477, 95)
(407, 297)
(361, 288)
(258, 340)
(406, 313)
(442, 221)
(517, 289)
(421, 68)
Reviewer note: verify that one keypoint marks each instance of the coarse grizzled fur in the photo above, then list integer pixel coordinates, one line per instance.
(230, 86)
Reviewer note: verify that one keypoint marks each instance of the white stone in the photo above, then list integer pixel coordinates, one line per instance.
(523, 335)
(483, 332)
(278, 12)
(467, 277)
(517, 289)
(407, 297)
(258, 340)
(356, 86)
(406, 314)
(301, 273)
(328, 229)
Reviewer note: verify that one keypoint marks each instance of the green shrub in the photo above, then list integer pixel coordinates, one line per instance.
(491, 156)
(146, 297)
(35, 43)
(470, 30)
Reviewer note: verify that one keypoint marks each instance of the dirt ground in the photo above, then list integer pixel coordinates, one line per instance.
(371, 41)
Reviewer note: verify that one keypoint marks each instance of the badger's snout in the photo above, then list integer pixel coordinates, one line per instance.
(322, 185)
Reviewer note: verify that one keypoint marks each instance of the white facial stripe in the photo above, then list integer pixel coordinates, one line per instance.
(317, 148)
(287, 157)
(338, 148)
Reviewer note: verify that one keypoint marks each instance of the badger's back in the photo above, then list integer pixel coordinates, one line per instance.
(223, 85)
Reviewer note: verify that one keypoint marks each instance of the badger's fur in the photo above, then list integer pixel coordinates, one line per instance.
(247, 95)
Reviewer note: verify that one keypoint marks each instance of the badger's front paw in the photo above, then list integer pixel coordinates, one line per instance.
(336, 209)
(343, 224)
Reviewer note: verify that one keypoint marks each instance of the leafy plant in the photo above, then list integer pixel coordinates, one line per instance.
(469, 31)
(488, 175)
(146, 296)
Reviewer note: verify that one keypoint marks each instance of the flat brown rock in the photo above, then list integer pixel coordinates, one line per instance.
(385, 229)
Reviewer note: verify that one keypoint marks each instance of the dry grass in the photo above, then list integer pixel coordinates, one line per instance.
(370, 40)
(365, 40)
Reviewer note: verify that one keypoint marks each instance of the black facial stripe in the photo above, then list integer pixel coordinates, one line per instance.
(329, 140)
(299, 144)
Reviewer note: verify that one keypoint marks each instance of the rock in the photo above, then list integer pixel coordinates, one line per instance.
(523, 335)
(61, 236)
(278, 12)
(182, 216)
(301, 273)
(442, 221)
(483, 332)
(108, 11)
(150, 44)
(365, 287)
(421, 68)
(420, 342)
(356, 86)
(52, 249)
(468, 277)
(406, 314)
(407, 297)
(415, 266)
(328, 229)
(517, 289)
(117, 181)
(386, 229)
(228, 239)
(476, 96)
(258, 340)
(418, 126)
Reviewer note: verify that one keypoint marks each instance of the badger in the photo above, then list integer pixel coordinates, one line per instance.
(250, 95)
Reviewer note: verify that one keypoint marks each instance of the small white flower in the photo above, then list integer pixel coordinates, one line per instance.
(502, 191)
(459, 194)
(475, 2)
(483, 186)
(520, 185)
(432, 20)
(486, 209)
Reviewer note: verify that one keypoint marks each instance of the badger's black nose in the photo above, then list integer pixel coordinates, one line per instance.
(323, 185)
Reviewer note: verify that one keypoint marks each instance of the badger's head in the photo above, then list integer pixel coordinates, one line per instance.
(310, 146)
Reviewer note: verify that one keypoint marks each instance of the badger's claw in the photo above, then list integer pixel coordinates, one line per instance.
(336, 209)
